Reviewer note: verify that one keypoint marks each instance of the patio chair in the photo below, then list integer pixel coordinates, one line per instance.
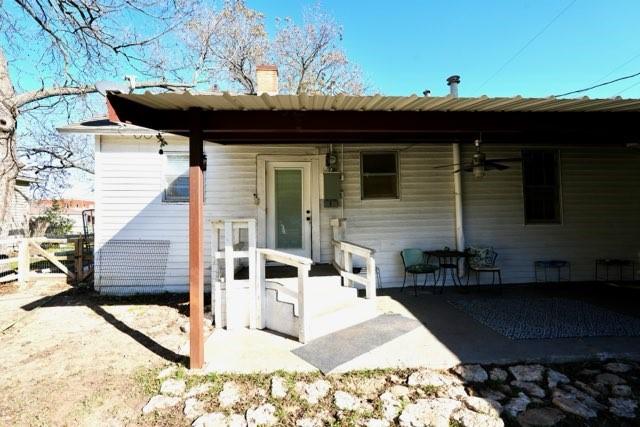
(414, 263)
(483, 260)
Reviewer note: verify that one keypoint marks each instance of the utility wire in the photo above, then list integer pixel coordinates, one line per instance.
(627, 88)
(627, 62)
(599, 85)
(527, 44)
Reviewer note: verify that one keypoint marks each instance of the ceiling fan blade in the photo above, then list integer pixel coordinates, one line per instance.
(491, 164)
(447, 166)
(506, 160)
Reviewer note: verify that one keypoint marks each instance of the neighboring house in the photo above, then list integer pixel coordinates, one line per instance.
(276, 159)
(19, 215)
(71, 208)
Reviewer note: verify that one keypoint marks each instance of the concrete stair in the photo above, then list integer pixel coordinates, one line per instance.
(331, 307)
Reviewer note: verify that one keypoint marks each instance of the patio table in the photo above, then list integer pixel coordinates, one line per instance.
(448, 260)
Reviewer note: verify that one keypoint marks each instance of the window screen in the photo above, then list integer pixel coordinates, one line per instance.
(541, 183)
(379, 178)
(177, 178)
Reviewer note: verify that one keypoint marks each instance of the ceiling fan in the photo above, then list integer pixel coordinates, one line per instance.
(479, 163)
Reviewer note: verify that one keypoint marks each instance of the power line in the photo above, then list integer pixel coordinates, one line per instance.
(627, 88)
(627, 62)
(526, 45)
(599, 85)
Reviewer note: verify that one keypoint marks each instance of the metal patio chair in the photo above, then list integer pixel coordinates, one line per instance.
(483, 260)
(414, 263)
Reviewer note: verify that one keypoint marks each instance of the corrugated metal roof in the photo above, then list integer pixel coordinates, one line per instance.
(226, 101)
(103, 126)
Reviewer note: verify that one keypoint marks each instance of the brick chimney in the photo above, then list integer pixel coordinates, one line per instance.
(267, 79)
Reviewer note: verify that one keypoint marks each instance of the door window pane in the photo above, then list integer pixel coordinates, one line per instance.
(288, 208)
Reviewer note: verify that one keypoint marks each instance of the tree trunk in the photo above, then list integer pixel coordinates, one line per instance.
(8, 159)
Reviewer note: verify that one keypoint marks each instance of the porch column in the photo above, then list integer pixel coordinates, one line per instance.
(196, 242)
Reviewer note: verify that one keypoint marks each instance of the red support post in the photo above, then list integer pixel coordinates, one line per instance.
(196, 242)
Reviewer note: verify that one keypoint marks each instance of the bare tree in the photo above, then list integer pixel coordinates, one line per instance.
(229, 43)
(71, 44)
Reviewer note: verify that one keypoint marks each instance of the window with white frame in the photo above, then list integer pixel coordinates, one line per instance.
(379, 175)
(176, 177)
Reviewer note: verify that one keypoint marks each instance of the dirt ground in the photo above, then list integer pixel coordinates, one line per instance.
(71, 357)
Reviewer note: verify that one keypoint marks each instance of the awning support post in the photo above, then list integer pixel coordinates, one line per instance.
(196, 241)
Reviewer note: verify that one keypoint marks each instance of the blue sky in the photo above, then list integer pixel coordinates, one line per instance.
(407, 46)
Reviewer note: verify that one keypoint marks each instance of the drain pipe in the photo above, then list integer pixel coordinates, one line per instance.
(453, 82)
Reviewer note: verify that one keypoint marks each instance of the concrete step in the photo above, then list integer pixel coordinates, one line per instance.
(320, 298)
(341, 317)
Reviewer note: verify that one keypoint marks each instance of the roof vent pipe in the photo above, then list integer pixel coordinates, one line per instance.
(267, 79)
(453, 83)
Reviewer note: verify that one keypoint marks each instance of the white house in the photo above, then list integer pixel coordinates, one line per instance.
(295, 163)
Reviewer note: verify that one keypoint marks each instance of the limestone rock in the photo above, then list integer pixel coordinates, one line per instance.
(160, 402)
(167, 372)
(541, 417)
(483, 406)
(278, 387)
(193, 408)
(370, 386)
(570, 403)
(618, 367)
(374, 422)
(173, 387)
(399, 390)
(218, 419)
(473, 419)
(589, 372)
(426, 377)
(517, 404)
(554, 378)
(263, 415)
(498, 374)
(313, 392)
(345, 401)
(527, 372)
(230, 394)
(621, 390)
(472, 373)
(391, 405)
(532, 389)
(429, 412)
(493, 394)
(198, 390)
(309, 422)
(625, 408)
(454, 391)
(581, 396)
(609, 379)
(590, 390)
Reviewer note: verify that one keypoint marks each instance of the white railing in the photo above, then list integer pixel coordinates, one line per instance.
(303, 266)
(343, 261)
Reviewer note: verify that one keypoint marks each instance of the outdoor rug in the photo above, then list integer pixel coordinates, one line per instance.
(330, 351)
(544, 317)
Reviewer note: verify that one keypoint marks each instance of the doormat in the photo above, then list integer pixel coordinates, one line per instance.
(330, 351)
(546, 318)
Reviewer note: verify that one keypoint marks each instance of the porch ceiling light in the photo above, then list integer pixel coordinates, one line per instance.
(478, 171)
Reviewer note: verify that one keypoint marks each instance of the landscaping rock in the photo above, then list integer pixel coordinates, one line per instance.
(313, 392)
(400, 390)
(498, 374)
(428, 412)
(278, 387)
(493, 395)
(517, 404)
(391, 405)
(173, 387)
(263, 415)
(583, 397)
(452, 392)
(193, 408)
(309, 422)
(370, 386)
(570, 403)
(167, 372)
(160, 402)
(473, 419)
(471, 373)
(532, 389)
(483, 406)
(625, 408)
(589, 372)
(541, 417)
(621, 390)
(554, 378)
(609, 379)
(198, 390)
(374, 422)
(345, 401)
(527, 372)
(590, 390)
(230, 394)
(426, 377)
(618, 367)
(218, 419)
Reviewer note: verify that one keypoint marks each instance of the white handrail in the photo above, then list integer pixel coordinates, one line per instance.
(303, 265)
(345, 267)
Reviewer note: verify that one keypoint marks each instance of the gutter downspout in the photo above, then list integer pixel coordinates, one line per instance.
(453, 82)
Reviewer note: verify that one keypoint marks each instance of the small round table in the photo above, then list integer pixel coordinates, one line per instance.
(448, 260)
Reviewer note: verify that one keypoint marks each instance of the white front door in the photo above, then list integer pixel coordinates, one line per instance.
(289, 207)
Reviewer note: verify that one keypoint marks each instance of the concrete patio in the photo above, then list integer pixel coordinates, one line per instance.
(445, 337)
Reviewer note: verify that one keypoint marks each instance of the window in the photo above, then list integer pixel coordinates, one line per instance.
(379, 179)
(541, 184)
(177, 177)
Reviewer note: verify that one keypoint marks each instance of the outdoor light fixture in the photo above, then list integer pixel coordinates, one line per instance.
(204, 162)
(478, 171)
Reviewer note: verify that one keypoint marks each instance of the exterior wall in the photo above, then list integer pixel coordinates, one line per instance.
(19, 215)
(601, 205)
